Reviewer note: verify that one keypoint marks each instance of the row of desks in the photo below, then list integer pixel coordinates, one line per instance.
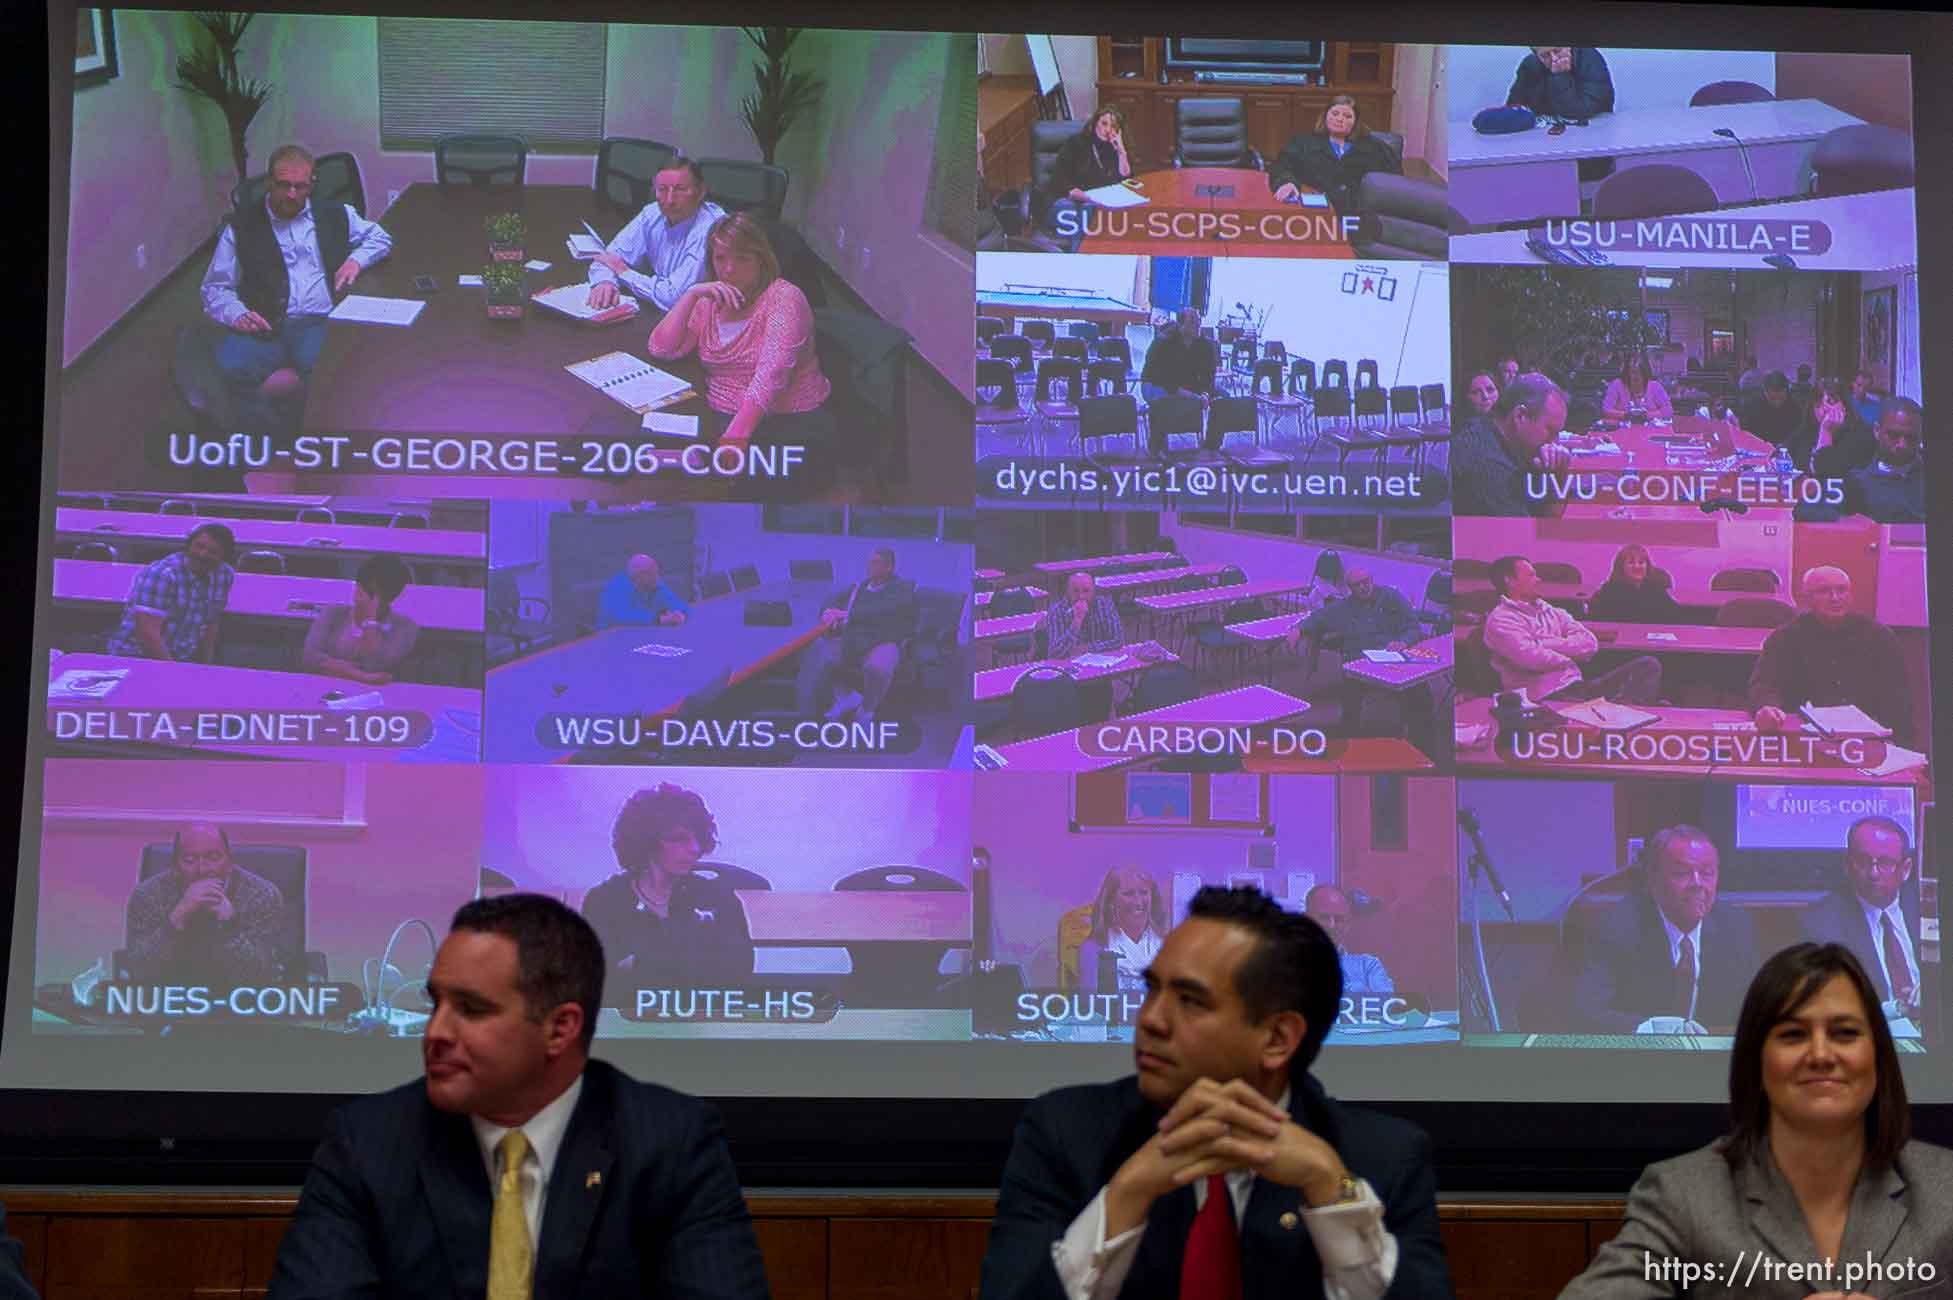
(76, 524)
(92, 584)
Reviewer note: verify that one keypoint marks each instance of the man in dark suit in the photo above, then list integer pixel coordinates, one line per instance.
(1874, 914)
(1134, 1189)
(520, 1169)
(1669, 953)
(864, 628)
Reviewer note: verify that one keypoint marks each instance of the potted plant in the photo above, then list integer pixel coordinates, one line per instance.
(779, 95)
(210, 71)
(506, 232)
(502, 283)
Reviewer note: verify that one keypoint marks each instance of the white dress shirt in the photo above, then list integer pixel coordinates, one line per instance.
(545, 1133)
(310, 280)
(1872, 915)
(1135, 955)
(1359, 1254)
(1675, 938)
(675, 254)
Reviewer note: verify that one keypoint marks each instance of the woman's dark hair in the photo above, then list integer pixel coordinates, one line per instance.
(1785, 983)
(1357, 131)
(1119, 119)
(225, 538)
(1108, 900)
(1633, 361)
(1294, 967)
(558, 957)
(648, 816)
(385, 576)
(1657, 578)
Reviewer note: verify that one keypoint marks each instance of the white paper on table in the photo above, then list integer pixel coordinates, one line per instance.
(1094, 660)
(85, 683)
(1117, 196)
(679, 426)
(1383, 656)
(574, 300)
(584, 247)
(537, 264)
(468, 281)
(1844, 720)
(1313, 200)
(1897, 759)
(368, 310)
(364, 700)
(662, 650)
(1663, 636)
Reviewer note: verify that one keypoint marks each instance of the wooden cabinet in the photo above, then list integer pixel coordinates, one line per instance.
(1006, 107)
(1275, 111)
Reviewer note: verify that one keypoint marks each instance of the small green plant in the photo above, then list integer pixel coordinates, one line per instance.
(506, 228)
(210, 71)
(780, 95)
(502, 281)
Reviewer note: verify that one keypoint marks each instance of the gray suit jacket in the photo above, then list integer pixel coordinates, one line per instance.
(1695, 1209)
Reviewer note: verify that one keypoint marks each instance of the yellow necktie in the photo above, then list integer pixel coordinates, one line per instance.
(511, 1256)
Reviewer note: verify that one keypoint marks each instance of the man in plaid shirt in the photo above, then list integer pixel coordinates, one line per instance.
(174, 604)
(1080, 621)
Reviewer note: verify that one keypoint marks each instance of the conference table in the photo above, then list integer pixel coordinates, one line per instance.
(1246, 706)
(450, 732)
(1687, 446)
(1098, 564)
(1153, 577)
(1179, 605)
(1427, 659)
(1026, 303)
(457, 371)
(808, 918)
(1130, 660)
(276, 597)
(1865, 232)
(74, 524)
(1680, 638)
(1530, 174)
(983, 598)
(619, 671)
(989, 629)
(1478, 749)
(1212, 212)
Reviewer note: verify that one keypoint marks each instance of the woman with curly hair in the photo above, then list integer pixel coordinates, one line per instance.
(655, 918)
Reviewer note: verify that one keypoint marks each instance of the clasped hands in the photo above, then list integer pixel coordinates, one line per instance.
(1215, 1128)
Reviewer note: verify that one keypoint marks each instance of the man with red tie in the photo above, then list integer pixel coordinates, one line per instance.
(1221, 1170)
(1874, 914)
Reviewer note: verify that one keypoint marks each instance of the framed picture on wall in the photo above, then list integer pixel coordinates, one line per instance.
(95, 47)
(1876, 328)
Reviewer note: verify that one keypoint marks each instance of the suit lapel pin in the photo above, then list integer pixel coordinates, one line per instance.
(594, 1178)
(1289, 1220)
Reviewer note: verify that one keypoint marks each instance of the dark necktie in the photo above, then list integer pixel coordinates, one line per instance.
(1211, 1269)
(1897, 977)
(1685, 978)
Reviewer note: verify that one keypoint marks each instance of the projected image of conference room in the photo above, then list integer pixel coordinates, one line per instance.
(1640, 911)
(1288, 384)
(299, 627)
(1689, 386)
(492, 260)
(1622, 134)
(1327, 646)
(1247, 146)
(742, 904)
(728, 634)
(1086, 875)
(222, 900)
(1734, 645)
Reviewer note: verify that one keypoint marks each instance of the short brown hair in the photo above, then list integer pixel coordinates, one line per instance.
(558, 957)
(742, 232)
(1322, 118)
(289, 153)
(1786, 982)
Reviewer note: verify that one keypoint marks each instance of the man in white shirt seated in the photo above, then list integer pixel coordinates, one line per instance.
(1538, 647)
(660, 253)
(1363, 972)
(279, 266)
(1134, 1189)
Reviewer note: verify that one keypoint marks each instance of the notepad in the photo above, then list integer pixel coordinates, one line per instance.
(637, 384)
(584, 247)
(1313, 200)
(659, 650)
(1096, 660)
(85, 683)
(1844, 720)
(678, 426)
(1116, 196)
(537, 264)
(1383, 656)
(468, 281)
(1897, 759)
(986, 759)
(364, 700)
(1606, 715)
(573, 300)
(1662, 636)
(368, 310)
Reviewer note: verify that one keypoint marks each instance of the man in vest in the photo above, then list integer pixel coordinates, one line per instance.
(278, 265)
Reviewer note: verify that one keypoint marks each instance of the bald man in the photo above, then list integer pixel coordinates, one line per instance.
(1830, 654)
(1363, 972)
(639, 596)
(206, 920)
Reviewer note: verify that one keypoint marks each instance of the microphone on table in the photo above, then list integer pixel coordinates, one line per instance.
(1744, 151)
(1468, 822)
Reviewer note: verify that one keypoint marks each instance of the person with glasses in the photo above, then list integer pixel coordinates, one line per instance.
(659, 923)
(1832, 655)
(1872, 913)
(1665, 958)
(206, 920)
(281, 263)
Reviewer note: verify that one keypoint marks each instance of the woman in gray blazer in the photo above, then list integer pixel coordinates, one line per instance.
(366, 640)
(1819, 1166)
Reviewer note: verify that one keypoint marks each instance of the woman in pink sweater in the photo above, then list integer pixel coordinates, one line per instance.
(754, 333)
